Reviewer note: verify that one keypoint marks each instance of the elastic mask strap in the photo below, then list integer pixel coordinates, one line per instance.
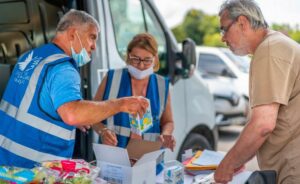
(79, 40)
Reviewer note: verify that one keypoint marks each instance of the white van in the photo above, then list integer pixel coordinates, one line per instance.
(227, 76)
(33, 23)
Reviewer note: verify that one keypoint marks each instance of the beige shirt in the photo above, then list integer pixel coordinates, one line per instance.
(274, 77)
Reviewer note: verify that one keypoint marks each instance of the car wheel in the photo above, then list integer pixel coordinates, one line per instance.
(195, 142)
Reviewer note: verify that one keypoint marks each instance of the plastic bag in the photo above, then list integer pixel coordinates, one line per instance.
(74, 171)
(15, 175)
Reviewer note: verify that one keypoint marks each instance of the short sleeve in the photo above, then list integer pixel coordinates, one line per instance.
(64, 84)
(271, 80)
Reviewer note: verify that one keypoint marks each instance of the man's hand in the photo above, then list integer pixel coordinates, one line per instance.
(134, 105)
(224, 173)
(108, 137)
(168, 141)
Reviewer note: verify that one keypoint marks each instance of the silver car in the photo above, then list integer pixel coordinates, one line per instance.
(227, 76)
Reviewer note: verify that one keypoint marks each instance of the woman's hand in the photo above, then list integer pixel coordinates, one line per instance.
(168, 141)
(84, 128)
(108, 137)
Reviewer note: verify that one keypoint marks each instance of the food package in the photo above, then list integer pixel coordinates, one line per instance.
(15, 175)
(174, 172)
(140, 125)
(75, 171)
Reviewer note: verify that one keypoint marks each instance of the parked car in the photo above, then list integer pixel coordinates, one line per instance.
(227, 78)
(33, 23)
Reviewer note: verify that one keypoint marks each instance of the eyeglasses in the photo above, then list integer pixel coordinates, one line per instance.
(137, 60)
(224, 30)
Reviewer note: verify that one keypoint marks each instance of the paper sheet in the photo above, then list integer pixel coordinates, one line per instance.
(209, 158)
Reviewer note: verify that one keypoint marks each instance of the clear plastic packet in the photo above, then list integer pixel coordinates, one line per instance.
(74, 171)
(140, 125)
(15, 175)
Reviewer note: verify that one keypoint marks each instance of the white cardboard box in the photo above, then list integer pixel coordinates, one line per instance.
(115, 165)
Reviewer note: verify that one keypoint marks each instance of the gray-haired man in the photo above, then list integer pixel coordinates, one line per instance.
(273, 130)
(42, 102)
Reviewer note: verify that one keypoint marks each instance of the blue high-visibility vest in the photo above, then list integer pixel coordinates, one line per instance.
(27, 134)
(119, 85)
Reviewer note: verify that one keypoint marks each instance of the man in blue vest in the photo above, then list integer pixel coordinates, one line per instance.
(42, 103)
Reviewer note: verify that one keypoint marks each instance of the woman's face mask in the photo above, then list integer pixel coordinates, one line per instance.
(82, 57)
(139, 74)
(141, 63)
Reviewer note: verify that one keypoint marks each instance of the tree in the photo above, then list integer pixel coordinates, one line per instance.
(213, 40)
(179, 33)
(295, 35)
(286, 29)
(196, 25)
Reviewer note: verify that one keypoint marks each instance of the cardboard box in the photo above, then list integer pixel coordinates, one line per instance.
(116, 167)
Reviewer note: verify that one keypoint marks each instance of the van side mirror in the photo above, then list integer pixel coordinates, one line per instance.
(189, 57)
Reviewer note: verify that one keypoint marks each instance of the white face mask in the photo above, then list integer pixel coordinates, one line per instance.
(139, 74)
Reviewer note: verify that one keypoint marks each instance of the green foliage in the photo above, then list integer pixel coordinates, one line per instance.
(204, 29)
(200, 27)
(213, 40)
(294, 33)
(281, 27)
(192, 25)
(179, 33)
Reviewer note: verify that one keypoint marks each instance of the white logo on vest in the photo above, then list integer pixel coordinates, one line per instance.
(25, 66)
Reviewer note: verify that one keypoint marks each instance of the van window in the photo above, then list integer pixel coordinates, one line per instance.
(155, 29)
(19, 14)
(131, 17)
(213, 65)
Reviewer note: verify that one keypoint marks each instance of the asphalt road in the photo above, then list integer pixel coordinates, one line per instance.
(227, 138)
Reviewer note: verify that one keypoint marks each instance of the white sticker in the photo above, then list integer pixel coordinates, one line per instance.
(113, 173)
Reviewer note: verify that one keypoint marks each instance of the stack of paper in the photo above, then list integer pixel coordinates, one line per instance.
(209, 158)
(203, 161)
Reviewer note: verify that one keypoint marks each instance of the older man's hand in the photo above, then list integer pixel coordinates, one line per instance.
(224, 173)
(134, 105)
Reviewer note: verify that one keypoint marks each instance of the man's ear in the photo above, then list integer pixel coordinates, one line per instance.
(243, 22)
(71, 34)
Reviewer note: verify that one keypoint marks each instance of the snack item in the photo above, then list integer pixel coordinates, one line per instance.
(15, 175)
(173, 173)
(75, 171)
(140, 125)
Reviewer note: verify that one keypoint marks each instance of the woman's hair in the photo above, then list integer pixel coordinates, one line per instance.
(147, 42)
(247, 8)
(76, 18)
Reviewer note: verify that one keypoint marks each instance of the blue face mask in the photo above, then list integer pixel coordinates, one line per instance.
(82, 57)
